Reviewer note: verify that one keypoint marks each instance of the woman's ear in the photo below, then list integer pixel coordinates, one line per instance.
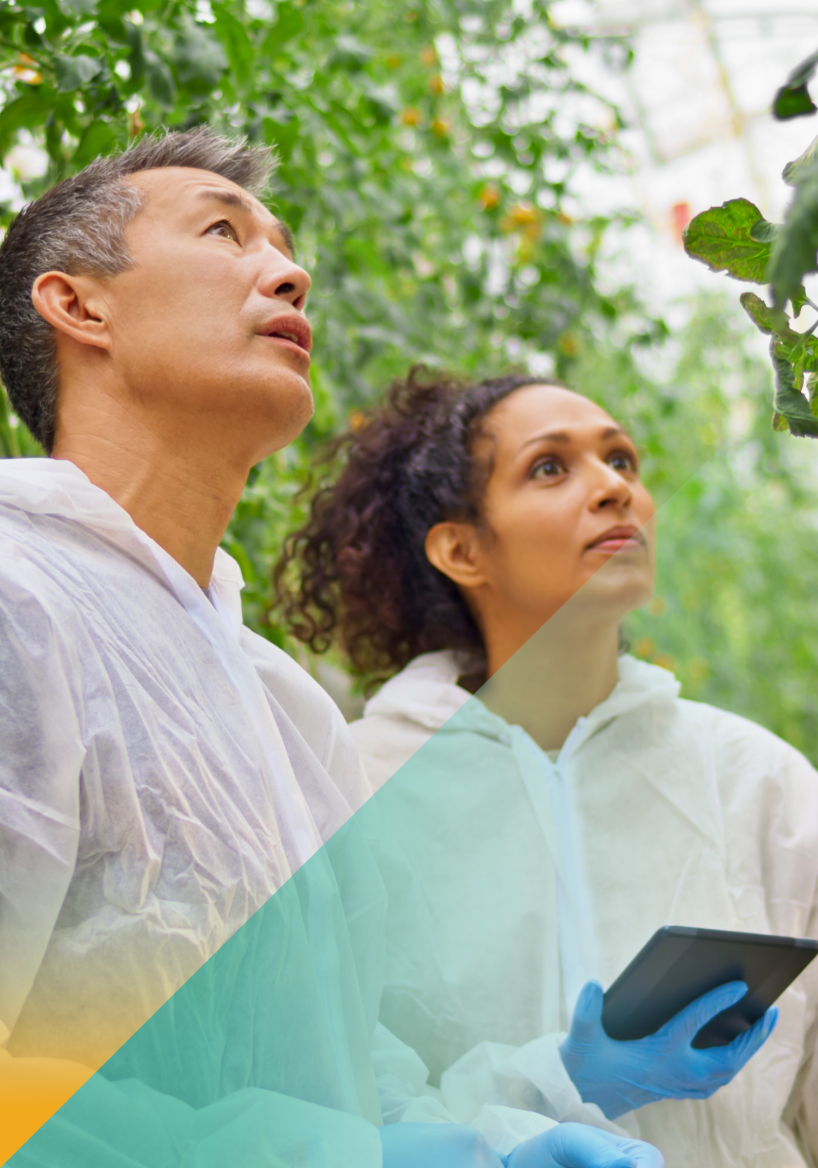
(454, 549)
(73, 306)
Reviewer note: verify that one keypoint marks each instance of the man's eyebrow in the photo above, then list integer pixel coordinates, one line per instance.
(238, 200)
(564, 436)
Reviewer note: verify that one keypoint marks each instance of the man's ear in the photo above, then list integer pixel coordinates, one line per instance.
(73, 305)
(454, 549)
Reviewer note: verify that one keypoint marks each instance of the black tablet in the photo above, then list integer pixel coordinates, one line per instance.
(678, 965)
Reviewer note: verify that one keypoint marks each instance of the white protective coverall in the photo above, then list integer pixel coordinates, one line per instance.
(656, 811)
(163, 772)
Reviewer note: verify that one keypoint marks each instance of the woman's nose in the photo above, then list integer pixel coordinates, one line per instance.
(612, 489)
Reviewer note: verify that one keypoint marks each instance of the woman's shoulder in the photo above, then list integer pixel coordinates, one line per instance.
(741, 740)
(413, 707)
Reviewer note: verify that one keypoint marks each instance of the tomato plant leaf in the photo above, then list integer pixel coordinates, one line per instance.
(200, 60)
(734, 238)
(772, 321)
(793, 170)
(160, 81)
(793, 99)
(30, 109)
(790, 404)
(236, 43)
(794, 248)
(97, 138)
(74, 72)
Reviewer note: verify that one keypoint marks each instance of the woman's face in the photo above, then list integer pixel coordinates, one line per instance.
(563, 501)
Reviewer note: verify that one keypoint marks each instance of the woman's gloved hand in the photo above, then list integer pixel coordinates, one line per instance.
(575, 1145)
(621, 1076)
(568, 1145)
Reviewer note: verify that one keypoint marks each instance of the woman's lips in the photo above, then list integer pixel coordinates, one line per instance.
(631, 543)
(616, 540)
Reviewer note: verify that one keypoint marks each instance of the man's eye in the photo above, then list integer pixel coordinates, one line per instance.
(547, 468)
(622, 461)
(224, 229)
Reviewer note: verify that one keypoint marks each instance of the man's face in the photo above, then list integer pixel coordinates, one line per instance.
(208, 326)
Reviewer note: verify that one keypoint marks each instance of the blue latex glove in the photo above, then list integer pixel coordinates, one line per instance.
(568, 1145)
(435, 1145)
(621, 1076)
(575, 1145)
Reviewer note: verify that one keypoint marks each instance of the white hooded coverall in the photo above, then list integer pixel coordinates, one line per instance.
(176, 826)
(656, 811)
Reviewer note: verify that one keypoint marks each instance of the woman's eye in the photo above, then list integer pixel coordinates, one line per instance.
(547, 468)
(622, 461)
(224, 229)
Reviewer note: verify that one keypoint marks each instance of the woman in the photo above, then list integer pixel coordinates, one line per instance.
(490, 539)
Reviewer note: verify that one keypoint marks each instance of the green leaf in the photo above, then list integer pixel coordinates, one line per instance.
(98, 138)
(281, 134)
(199, 59)
(74, 72)
(798, 300)
(81, 7)
(793, 171)
(136, 44)
(772, 321)
(350, 54)
(764, 231)
(236, 43)
(794, 248)
(789, 403)
(727, 239)
(793, 103)
(289, 23)
(793, 99)
(27, 111)
(160, 80)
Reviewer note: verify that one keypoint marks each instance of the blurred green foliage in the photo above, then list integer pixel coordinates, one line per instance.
(428, 154)
(427, 150)
(737, 571)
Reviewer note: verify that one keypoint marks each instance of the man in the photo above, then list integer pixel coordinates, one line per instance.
(164, 771)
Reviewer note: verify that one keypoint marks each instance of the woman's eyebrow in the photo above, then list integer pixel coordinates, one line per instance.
(564, 436)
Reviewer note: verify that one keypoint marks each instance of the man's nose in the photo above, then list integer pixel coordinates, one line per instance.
(283, 279)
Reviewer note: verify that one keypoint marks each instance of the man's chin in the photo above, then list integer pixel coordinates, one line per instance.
(283, 417)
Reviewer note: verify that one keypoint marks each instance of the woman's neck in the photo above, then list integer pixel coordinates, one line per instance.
(559, 675)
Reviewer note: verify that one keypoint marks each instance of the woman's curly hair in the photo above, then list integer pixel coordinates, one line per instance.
(356, 574)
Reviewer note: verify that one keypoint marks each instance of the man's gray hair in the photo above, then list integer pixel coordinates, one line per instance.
(78, 227)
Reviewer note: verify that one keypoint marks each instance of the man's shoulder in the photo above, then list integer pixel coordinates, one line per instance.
(307, 704)
(24, 571)
(312, 711)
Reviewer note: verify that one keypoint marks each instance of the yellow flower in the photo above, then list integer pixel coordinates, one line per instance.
(489, 197)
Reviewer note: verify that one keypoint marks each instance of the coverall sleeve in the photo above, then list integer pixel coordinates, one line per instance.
(40, 763)
(127, 1124)
(802, 1111)
(406, 1097)
(532, 1077)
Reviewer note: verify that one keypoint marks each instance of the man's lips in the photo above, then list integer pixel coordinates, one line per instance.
(289, 330)
(617, 539)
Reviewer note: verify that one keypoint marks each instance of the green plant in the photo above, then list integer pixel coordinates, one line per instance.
(735, 238)
(427, 152)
